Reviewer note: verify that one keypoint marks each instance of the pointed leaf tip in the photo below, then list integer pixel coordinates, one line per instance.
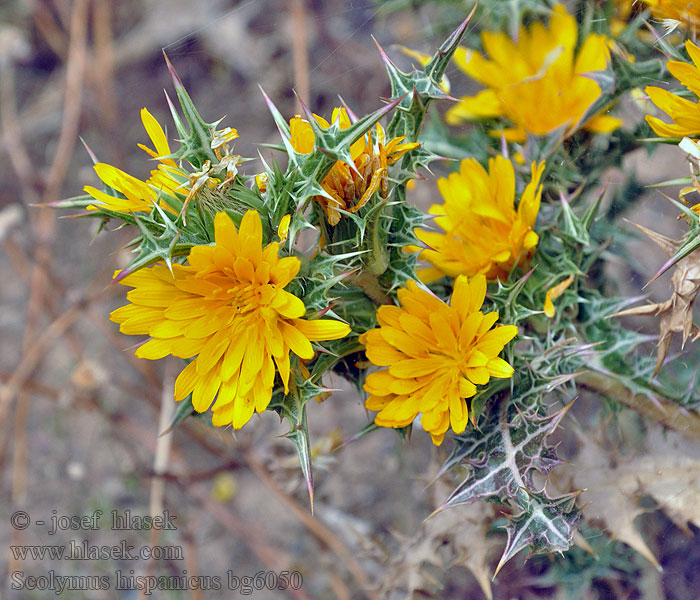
(173, 74)
(384, 55)
(308, 113)
(91, 154)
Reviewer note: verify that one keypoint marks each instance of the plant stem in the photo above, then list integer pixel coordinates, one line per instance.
(670, 414)
(369, 284)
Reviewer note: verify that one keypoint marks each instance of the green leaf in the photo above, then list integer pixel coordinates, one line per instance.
(504, 456)
(544, 525)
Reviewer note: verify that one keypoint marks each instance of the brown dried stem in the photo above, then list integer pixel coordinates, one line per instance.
(318, 529)
(44, 230)
(664, 411)
(300, 51)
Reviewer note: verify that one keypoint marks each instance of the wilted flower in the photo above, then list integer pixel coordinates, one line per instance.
(435, 355)
(169, 185)
(140, 195)
(676, 313)
(685, 114)
(351, 188)
(686, 12)
(483, 231)
(553, 293)
(228, 309)
(537, 82)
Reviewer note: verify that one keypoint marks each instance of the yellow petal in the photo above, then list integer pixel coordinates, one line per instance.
(498, 367)
(154, 349)
(297, 341)
(554, 292)
(205, 389)
(186, 380)
(283, 227)
(322, 329)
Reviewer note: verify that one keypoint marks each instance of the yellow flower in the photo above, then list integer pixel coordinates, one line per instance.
(483, 231)
(687, 12)
(228, 309)
(435, 355)
(140, 195)
(685, 114)
(350, 189)
(536, 82)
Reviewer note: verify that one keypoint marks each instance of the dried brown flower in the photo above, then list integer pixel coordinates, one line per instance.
(676, 313)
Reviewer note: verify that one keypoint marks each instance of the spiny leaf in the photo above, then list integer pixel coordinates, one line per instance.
(293, 407)
(545, 525)
(420, 87)
(196, 140)
(508, 455)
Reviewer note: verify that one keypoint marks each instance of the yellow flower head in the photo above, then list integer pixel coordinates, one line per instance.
(537, 82)
(350, 189)
(686, 12)
(434, 356)
(483, 231)
(140, 195)
(227, 308)
(685, 114)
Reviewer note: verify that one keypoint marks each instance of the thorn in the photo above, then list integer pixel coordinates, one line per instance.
(463, 27)
(269, 102)
(391, 106)
(665, 267)
(527, 275)
(649, 309)
(665, 243)
(310, 489)
(175, 77)
(384, 55)
(306, 110)
(90, 152)
(499, 567)
(352, 115)
(120, 276)
(438, 510)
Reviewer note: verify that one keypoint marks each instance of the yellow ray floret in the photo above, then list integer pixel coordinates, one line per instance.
(350, 188)
(140, 195)
(228, 310)
(483, 232)
(685, 114)
(538, 82)
(433, 356)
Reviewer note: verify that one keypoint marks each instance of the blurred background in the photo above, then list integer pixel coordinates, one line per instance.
(82, 418)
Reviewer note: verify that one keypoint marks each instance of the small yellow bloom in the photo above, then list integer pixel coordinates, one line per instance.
(685, 114)
(140, 195)
(537, 81)
(483, 231)
(554, 292)
(434, 356)
(350, 189)
(228, 309)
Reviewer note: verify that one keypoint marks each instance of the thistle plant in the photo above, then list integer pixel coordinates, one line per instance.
(480, 322)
